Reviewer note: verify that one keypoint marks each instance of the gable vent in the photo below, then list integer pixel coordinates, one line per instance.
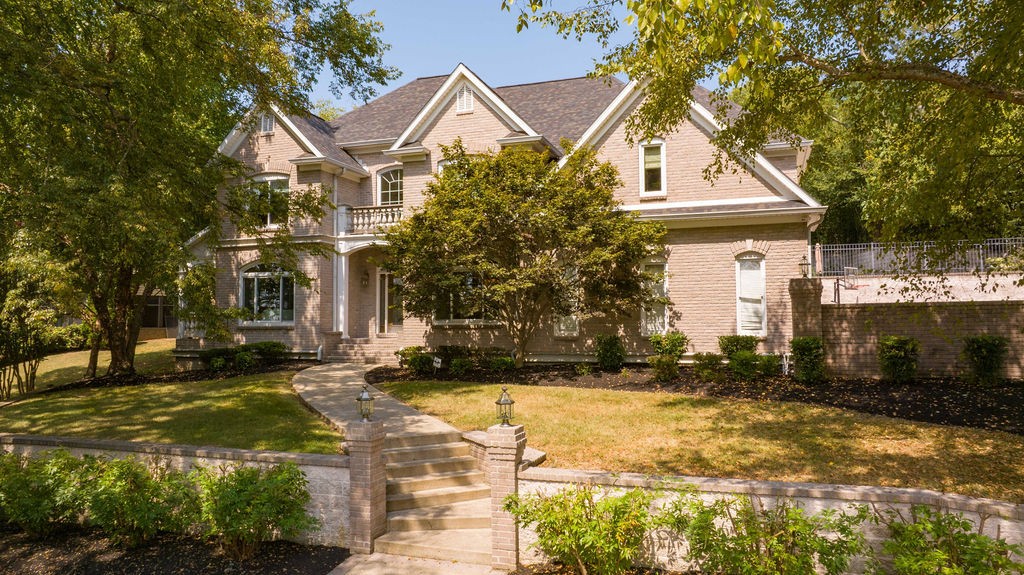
(464, 99)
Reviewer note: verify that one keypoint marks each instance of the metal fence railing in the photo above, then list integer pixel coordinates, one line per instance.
(1000, 254)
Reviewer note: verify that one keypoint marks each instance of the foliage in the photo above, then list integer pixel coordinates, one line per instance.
(595, 532)
(248, 505)
(407, 353)
(665, 367)
(610, 352)
(245, 360)
(583, 369)
(931, 91)
(145, 130)
(38, 494)
(132, 504)
(897, 357)
(930, 541)
(459, 366)
(769, 365)
(421, 363)
(743, 365)
(735, 535)
(501, 363)
(245, 356)
(808, 359)
(730, 344)
(986, 356)
(708, 366)
(515, 238)
(672, 343)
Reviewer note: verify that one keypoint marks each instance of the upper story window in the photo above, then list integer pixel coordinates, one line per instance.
(267, 124)
(272, 195)
(652, 168)
(389, 185)
(268, 293)
(464, 99)
(751, 316)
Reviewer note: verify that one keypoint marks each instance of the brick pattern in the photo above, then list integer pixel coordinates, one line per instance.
(368, 491)
(505, 446)
(805, 293)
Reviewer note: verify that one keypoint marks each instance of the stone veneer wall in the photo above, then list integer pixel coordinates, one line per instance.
(1000, 519)
(328, 475)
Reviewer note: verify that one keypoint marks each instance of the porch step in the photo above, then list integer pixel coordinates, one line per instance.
(439, 496)
(362, 358)
(396, 441)
(468, 545)
(473, 514)
(421, 467)
(434, 481)
(426, 452)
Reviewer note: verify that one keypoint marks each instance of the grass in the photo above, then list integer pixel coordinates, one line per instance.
(151, 357)
(659, 433)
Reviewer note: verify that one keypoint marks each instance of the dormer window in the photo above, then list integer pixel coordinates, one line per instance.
(267, 124)
(464, 100)
(652, 168)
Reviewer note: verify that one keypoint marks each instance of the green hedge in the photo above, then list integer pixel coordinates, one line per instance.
(245, 356)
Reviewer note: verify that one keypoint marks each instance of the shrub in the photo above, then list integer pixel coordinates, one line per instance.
(459, 366)
(985, 356)
(897, 357)
(808, 358)
(37, 494)
(665, 367)
(583, 368)
(595, 534)
(610, 352)
(422, 363)
(268, 352)
(249, 505)
(449, 352)
(731, 535)
(743, 365)
(218, 364)
(672, 343)
(245, 356)
(707, 366)
(501, 363)
(68, 338)
(935, 542)
(245, 360)
(769, 365)
(407, 353)
(730, 344)
(132, 505)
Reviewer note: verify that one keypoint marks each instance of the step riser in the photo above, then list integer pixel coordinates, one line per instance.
(412, 486)
(418, 500)
(431, 552)
(438, 523)
(398, 441)
(419, 469)
(425, 452)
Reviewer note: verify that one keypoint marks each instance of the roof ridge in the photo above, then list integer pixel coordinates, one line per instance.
(585, 77)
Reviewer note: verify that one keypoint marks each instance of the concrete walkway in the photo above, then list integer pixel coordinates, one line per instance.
(384, 564)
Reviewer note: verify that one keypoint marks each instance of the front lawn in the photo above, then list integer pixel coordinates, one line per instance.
(662, 433)
(258, 411)
(152, 357)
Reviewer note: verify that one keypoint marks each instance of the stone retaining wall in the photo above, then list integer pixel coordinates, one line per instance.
(998, 518)
(328, 475)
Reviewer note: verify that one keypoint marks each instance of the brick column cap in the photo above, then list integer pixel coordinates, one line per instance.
(364, 430)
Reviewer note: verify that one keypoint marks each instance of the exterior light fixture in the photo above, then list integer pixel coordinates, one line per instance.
(504, 405)
(365, 404)
(805, 266)
(365, 280)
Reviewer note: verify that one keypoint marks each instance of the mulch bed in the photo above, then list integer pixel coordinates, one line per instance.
(556, 569)
(177, 377)
(945, 401)
(86, 552)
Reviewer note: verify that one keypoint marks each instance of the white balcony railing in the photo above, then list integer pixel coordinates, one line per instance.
(366, 220)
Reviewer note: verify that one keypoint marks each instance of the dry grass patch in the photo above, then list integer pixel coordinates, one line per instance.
(660, 433)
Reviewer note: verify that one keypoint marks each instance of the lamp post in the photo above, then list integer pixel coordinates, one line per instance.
(365, 404)
(504, 405)
(805, 266)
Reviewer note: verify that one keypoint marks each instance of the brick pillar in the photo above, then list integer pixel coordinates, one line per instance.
(505, 446)
(368, 492)
(805, 298)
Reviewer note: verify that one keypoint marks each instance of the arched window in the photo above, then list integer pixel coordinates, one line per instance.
(751, 316)
(268, 292)
(389, 185)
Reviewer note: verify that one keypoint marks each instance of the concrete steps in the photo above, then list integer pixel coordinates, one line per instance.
(441, 496)
(469, 545)
(473, 514)
(419, 467)
(405, 485)
(426, 452)
(361, 350)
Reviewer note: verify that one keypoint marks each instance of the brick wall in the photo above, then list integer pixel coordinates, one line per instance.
(327, 475)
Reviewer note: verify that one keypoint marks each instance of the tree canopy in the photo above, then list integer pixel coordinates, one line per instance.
(932, 89)
(513, 238)
(111, 113)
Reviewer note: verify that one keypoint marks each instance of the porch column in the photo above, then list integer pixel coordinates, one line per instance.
(341, 297)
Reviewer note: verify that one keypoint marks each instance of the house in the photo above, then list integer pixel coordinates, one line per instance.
(732, 245)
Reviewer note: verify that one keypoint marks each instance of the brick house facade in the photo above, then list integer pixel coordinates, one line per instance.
(731, 248)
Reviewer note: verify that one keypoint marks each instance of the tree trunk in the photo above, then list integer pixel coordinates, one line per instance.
(94, 350)
(116, 314)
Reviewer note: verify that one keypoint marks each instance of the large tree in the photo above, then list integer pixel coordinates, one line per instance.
(111, 113)
(513, 237)
(933, 88)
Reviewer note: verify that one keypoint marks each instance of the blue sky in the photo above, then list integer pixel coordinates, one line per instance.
(431, 37)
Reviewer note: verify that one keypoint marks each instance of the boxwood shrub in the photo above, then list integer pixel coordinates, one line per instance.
(985, 356)
(897, 357)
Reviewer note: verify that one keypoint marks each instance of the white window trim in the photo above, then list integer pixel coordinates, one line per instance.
(389, 329)
(264, 120)
(380, 186)
(241, 296)
(464, 100)
(266, 179)
(643, 311)
(643, 180)
(763, 332)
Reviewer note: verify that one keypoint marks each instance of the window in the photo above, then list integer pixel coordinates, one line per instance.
(389, 302)
(654, 318)
(569, 325)
(272, 196)
(389, 185)
(267, 124)
(464, 100)
(750, 295)
(268, 292)
(652, 168)
(457, 305)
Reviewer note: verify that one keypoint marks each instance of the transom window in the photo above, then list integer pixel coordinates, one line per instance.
(272, 195)
(390, 187)
(268, 292)
(654, 318)
(464, 99)
(751, 316)
(457, 305)
(266, 123)
(652, 168)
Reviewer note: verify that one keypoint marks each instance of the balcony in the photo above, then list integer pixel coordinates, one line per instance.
(366, 220)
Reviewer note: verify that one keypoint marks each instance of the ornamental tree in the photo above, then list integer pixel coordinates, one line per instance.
(514, 238)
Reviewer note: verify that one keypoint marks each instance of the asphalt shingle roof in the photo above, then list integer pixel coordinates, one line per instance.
(387, 116)
(321, 135)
